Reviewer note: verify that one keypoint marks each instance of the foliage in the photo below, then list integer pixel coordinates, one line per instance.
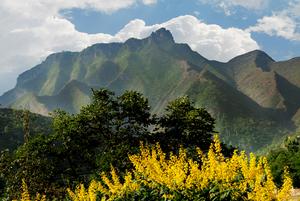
(12, 128)
(37, 162)
(158, 176)
(287, 155)
(25, 195)
(101, 135)
(186, 124)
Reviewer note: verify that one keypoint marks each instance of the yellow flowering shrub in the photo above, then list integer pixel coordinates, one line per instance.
(25, 195)
(158, 176)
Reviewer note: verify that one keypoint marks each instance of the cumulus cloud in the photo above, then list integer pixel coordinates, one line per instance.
(30, 31)
(276, 25)
(284, 23)
(210, 40)
(228, 5)
(45, 7)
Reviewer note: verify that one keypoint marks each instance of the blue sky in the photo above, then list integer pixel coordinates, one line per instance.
(30, 30)
(278, 47)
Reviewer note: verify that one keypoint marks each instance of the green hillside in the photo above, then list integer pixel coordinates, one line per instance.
(254, 98)
(12, 128)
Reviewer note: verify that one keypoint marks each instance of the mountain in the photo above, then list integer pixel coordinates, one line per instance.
(11, 127)
(255, 99)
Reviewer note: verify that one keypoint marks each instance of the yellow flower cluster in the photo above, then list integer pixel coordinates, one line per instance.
(25, 195)
(81, 194)
(249, 177)
(114, 188)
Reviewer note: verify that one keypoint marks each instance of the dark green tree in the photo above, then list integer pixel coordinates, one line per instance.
(184, 124)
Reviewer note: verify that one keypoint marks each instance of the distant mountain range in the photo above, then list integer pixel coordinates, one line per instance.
(255, 99)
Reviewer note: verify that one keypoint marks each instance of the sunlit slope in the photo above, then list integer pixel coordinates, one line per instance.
(254, 98)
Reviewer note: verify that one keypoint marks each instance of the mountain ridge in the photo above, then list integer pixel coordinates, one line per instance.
(245, 91)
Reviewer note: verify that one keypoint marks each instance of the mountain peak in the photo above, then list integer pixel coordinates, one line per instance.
(162, 35)
(254, 55)
(260, 53)
(260, 58)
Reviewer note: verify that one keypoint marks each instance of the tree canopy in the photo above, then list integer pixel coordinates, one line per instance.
(102, 134)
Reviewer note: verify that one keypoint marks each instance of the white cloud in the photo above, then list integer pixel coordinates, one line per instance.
(211, 41)
(292, 9)
(30, 30)
(283, 23)
(253, 4)
(228, 5)
(53, 6)
(276, 25)
(149, 2)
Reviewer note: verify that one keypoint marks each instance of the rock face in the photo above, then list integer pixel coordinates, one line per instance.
(254, 99)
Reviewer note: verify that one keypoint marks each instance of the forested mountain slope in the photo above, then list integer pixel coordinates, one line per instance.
(254, 98)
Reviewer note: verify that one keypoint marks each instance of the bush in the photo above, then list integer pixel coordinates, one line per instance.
(160, 176)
